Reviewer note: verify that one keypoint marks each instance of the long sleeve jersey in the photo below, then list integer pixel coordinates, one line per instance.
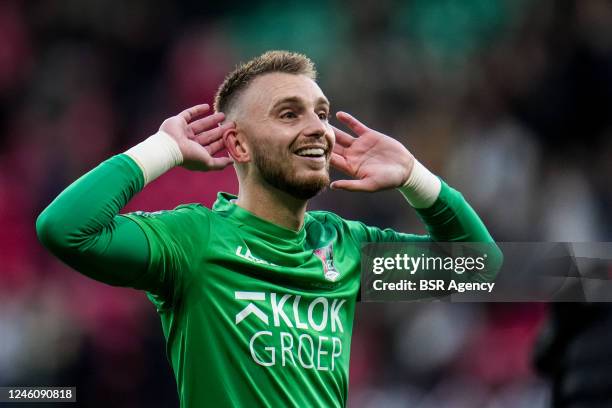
(253, 314)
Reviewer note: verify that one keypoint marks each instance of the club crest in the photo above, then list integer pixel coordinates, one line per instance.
(326, 255)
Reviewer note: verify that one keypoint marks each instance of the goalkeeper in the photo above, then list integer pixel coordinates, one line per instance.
(256, 295)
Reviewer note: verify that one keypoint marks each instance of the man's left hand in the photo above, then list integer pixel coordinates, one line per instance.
(376, 161)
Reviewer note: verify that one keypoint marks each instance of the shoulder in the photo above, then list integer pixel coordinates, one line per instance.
(184, 217)
(357, 230)
(180, 210)
(328, 218)
(324, 216)
(332, 220)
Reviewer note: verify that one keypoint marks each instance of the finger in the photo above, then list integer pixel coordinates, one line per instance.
(215, 147)
(339, 162)
(206, 123)
(343, 138)
(338, 149)
(355, 125)
(213, 134)
(219, 163)
(365, 185)
(195, 111)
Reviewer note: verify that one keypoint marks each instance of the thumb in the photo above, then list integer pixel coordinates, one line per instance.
(353, 185)
(219, 163)
(200, 159)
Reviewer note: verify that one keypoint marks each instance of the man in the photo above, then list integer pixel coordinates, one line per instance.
(256, 296)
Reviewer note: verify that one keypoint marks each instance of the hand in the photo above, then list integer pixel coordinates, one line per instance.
(376, 161)
(199, 137)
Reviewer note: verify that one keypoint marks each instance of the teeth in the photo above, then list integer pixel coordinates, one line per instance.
(311, 152)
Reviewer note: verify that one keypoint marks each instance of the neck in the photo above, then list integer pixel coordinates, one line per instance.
(273, 205)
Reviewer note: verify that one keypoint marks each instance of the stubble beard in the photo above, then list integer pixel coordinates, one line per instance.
(280, 175)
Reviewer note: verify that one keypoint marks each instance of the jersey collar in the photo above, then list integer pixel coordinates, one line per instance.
(225, 204)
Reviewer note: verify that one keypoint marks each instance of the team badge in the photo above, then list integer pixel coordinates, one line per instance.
(326, 255)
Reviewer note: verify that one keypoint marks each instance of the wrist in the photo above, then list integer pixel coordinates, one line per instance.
(156, 155)
(422, 187)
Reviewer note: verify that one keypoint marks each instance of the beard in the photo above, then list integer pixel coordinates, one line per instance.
(281, 175)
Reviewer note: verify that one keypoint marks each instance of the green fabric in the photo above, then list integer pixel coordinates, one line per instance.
(82, 228)
(254, 314)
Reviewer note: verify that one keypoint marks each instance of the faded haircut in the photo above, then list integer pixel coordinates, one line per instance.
(272, 61)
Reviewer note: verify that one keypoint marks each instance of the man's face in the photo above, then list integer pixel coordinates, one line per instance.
(284, 118)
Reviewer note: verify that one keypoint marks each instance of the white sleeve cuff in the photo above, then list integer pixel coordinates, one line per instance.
(422, 187)
(156, 155)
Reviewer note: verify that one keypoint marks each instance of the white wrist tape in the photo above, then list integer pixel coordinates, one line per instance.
(156, 155)
(422, 187)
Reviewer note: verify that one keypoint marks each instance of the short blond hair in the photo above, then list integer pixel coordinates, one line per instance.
(272, 61)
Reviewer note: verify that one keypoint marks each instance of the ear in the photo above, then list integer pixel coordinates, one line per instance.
(236, 145)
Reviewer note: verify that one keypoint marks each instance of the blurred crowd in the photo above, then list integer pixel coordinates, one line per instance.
(507, 100)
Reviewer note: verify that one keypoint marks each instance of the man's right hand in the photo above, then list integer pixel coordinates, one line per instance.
(199, 137)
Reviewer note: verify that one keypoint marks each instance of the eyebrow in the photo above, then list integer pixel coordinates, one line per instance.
(296, 99)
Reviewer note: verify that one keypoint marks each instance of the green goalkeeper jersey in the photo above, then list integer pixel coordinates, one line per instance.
(253, 314)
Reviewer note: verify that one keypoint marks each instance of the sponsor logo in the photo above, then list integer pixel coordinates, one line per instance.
(251, 308)
(285, 346)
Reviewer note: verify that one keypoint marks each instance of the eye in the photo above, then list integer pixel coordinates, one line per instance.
(288, 115)
(323, 116)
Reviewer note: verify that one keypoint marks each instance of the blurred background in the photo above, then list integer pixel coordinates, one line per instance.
(508, 100)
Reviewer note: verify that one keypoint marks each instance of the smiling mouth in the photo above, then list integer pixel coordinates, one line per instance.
(311, 152)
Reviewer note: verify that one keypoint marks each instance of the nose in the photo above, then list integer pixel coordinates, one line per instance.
(315, 127)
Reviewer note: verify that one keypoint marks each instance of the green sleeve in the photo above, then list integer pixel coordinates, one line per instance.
(449, 219)
(177, 240)
(83, 228)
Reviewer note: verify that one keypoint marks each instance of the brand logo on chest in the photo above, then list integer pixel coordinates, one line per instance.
(246, 254)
